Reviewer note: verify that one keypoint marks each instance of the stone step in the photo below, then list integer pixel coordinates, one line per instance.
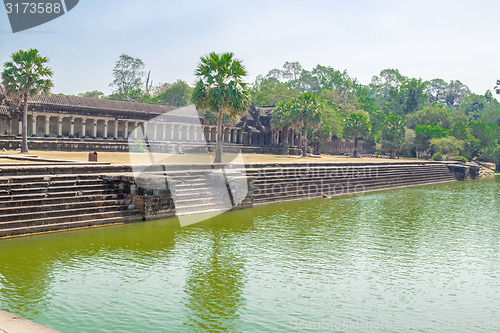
(337, 169)
(206, 211)
(350, 175)
(388, 177)
(69, 225)
(296, 195)
(291, 184)
(45, 178)
(195, 208)
(59, 194)
(68, 204)
(52, 189)
(14, 202)
(363, 181)
(66, 217)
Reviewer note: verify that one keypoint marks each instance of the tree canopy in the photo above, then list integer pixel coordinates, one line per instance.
(220, 89)
(26, 74)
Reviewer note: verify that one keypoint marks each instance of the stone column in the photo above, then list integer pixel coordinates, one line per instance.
(125, 132)
(47, 126)
(170, 132)
(84, 127)
(136, 129)
(9, 124)
(59, 126)
(164, 132)
(20, 128)
(194, 133)
(115, 132)
(94, 131)
(72, 127)
(33, 124)
(105, 135)
(155, 131)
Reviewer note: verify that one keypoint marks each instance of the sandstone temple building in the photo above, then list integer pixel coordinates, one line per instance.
(64, 122)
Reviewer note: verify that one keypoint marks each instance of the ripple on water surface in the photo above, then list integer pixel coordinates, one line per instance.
(421, 254)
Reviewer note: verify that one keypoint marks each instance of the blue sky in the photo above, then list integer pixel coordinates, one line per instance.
(452, 40)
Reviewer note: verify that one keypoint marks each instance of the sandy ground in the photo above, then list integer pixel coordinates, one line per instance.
(139, 158)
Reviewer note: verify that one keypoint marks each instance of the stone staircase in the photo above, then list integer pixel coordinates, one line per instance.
(37, 203)
(297, 181)
(195, 195)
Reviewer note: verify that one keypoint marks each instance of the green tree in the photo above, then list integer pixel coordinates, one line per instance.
(92, 94)
(434, 114)
(424, 133)
(357, 126)
(269, 90)
(281, 118)
(26, 75)
(449, 146)
(128, 76)
(307, 111)
(220, 89)
(178, 94)
(393, 133)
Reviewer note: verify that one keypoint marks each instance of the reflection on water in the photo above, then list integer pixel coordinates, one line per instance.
(428, 254)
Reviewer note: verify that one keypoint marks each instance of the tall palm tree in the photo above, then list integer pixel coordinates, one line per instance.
(220, 89)
(26, 76)
(307, 111)
(281, 119)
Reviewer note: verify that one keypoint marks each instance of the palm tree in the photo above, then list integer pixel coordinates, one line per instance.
(357, 126)
(221, 90)
(281, 118)
(307, 111)
(26, 76)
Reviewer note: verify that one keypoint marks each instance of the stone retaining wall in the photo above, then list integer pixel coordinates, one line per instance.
(151, 197)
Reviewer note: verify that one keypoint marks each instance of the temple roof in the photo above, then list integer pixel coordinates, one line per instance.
(98, 104)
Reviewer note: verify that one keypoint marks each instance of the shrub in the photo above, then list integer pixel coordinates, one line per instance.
(437, 157)
(461, 159)
(487, 154)
(449, 145)
(138, 148)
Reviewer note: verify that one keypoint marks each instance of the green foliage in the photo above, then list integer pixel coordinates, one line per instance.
(485, 132)
(177, 94)
(497, 158)
(449, 145)
(357, 125)
(26, 75)
(332, 120)
(461, 159)
(282, 115)
(424, 133)
(306, 110)
(138, 148)
(450, 95)
(393, 133)
(269, 91)
(432, 114)
(220, 89)
(477, 106)
(92, 94)
(487, 154)
(128, 76)
(397, 93)
(437, 157)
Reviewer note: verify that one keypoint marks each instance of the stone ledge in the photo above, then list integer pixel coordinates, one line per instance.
(10, 323)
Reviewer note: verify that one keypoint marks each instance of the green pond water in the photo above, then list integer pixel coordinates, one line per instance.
(422, 258)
